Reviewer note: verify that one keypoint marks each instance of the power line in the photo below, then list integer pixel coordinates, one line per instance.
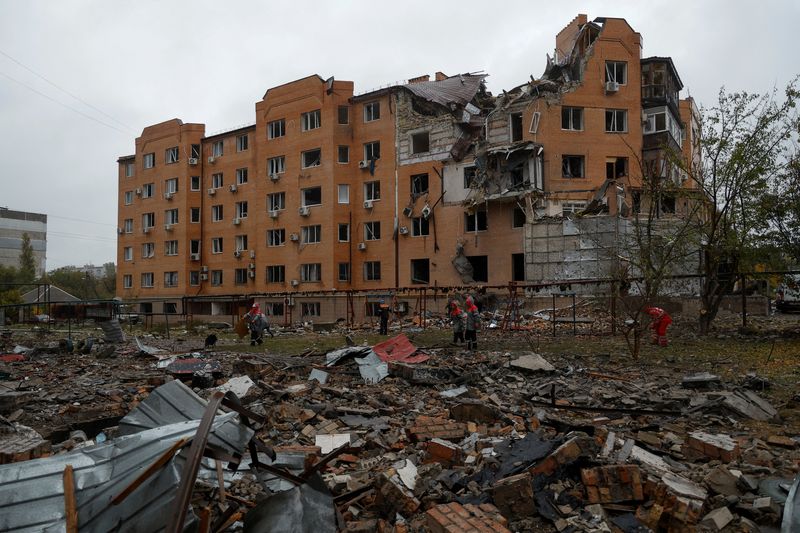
(81, 236)
(66, 91)
(82, 220)
(64, 105)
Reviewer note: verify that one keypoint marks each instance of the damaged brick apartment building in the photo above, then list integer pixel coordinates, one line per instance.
(431, 183)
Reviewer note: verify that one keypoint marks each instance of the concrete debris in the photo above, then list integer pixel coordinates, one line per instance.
(532, 362)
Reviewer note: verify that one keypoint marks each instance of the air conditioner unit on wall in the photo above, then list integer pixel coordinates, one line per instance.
(362, 246)
(203, 277)
(237, 221)
(195, 257)
(211, 160)
(252, 254)
(233, 188)
(237, 253)
(193, 161)
(251, 274)
(169, 195)
(368, 204)
(612, 86)
(212, 192)
(304, 211)
(294, 237)
(138, 192)
(426, 211)
(403, 230)
(295, 283)
(273, 214)
(274, 176)
(363, 164)
(167, 227)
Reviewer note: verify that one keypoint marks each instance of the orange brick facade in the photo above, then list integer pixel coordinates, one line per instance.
(300, 201)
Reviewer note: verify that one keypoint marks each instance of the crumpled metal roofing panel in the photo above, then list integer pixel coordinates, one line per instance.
(458, 90)
(32, 492)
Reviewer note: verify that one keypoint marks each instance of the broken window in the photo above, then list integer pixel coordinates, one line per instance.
(475, 221)
(667, 204)
(372, 150)
(216, 245)
(419, 184)
(570, 208)
(216, 149)
(194, 246)
(311, 234)
(515, 125)
(344, 232)
(636, 199)
(372, 190)
(617, 71)
(148, 190)
(276, 237)
(311, 196)
(147, 279)
(534, 127)
(241, 209)
(420, 227)
(276, 128)
(241, 176)
(572, 166)
(128, 197)
(128, 253)
(242, 142)
(480, 267)
(170, 279)
(171, 186)
(616, 120)
(311, 272)
(372, 270)
(129, 169)
(420, 142)
(420, 271)
(344, 271)
(171, 247)
(343, 154)
(240, 276)
(148, 220)
(216, 278)
(216, 213)
(276, 274)
(274, 308)
(308, 309)
(241, 243)
(470, 176)
(195, 150)
(276, 165)
(517, 267)
(127, 225)
(312, 158)
(276, 201)
(344, 114)
(171, 155)
(372, 231)
(216, 180)
(127, 281)
(616, 167)
(194, 277)
(311, 120)
(148, 249)
(518, 218)
(149, 160)
(572, 118)
(372, 111)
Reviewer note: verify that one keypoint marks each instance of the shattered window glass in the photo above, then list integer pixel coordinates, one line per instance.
(312, 158)
(572, 166)
(617, 71)
(470, 175)
(419, 184)
(572, 118)
(616, 120)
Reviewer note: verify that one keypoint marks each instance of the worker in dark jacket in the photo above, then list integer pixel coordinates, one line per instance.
(473, 324)
(257, 323)
(383, 314)
(457, 320)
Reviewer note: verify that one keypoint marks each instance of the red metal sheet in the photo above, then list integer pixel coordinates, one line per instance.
(399, 349)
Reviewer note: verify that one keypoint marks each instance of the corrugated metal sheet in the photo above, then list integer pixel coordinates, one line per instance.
(458, 90)
(32, 492)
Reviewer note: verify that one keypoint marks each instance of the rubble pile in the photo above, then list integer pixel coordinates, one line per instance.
(393, 438)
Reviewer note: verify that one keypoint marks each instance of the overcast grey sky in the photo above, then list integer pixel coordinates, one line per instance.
(137, 63)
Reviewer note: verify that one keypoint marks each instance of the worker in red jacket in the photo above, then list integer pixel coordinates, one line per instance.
(660, 323)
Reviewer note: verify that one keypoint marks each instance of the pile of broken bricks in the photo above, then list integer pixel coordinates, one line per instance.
(489, 441)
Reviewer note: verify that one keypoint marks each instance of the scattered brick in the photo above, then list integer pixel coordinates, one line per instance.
(444, 452)
(21, 443)
(394, 497)
(426, 428)
(720, 446)
(572, 449)
(455, 518)
(514, 496)
(613, 484)
(780, 440)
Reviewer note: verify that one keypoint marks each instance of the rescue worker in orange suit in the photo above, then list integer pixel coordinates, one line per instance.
(660, 323)
(383, 314)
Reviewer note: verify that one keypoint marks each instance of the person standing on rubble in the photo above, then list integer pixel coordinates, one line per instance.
(383, 314)
(473, 324)
(659, 325)
(257, 323)
(457, 321)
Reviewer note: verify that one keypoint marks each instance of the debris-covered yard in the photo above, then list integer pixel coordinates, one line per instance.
(347, 430)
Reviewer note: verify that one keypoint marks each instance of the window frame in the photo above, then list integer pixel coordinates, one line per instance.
(276, 165)
(127, 253)
(217, 213)
(372, 148)
(346, 109)
(417, 178)
(276, 201)
(346, 227)
(311, 234)
(276, 273)
(346, 271)
(304, 194)
(148, 190)
(420, 227)
(372, 111)
(195, 183)
(171, 247)
(217, 148)
(372, 230)
(412, 142)
(570, 158)
(242, 142)
(276, 129)
(148, 250)
(311, 120)
(216, 278)
(149, 160)
(171, 155)
(342, 187)
(240, 243)
(570, 118)
(372, 191)
(171, 216)
(127, 281)
(147, 280)
(304, 155)
(479, 220)
(194, 215)
(217, 245)
(217, 180)
(311, 272)
(241, 176)
(614, 120)
(419, 281)
(171, 278)
(372, 270)
(611, 75)
(343, 149)
(128, 197)
(276, 237)
(241, 209)
(240, 276)
(515, 125)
